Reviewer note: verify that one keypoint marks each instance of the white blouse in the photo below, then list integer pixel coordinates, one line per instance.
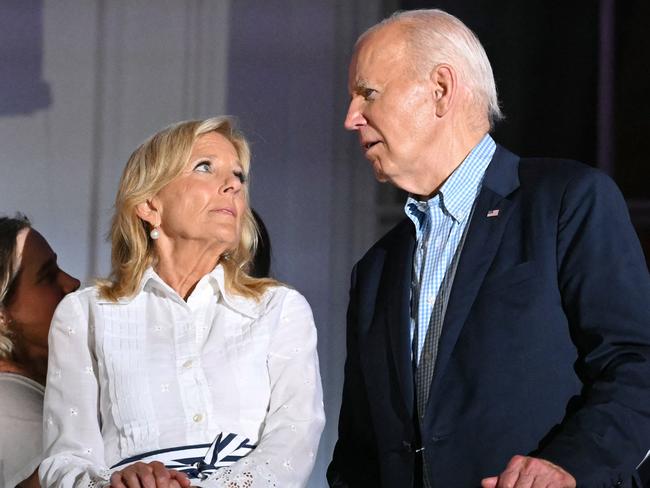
(154, 372)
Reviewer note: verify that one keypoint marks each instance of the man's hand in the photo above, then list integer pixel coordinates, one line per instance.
(149, 475)
(530, 472)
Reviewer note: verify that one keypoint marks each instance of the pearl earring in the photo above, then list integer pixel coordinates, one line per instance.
(155, 233)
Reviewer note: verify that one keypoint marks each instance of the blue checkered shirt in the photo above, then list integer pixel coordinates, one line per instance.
(440, 223)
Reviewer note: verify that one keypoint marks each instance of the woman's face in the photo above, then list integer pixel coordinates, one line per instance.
(206, 201)
(38, 288)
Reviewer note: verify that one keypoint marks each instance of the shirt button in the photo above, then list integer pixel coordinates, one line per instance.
(430, 301)
(187, 364)
(197, 417)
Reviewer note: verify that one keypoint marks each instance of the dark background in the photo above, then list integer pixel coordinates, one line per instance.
(573, 80)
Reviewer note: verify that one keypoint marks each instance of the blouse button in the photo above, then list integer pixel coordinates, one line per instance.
(197, 417)
(187, 364)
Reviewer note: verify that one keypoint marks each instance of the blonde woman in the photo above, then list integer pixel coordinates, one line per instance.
(182, 368)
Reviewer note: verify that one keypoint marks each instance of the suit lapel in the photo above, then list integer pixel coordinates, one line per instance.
(395, 295)
(484, 234)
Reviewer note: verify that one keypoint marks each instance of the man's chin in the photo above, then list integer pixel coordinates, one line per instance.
(379, 174)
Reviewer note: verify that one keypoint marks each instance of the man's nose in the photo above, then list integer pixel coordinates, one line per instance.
(354, 119)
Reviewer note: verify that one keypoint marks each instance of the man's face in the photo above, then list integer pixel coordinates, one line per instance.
(393, 109)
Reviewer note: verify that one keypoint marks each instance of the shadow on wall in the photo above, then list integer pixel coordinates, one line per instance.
(21, 52)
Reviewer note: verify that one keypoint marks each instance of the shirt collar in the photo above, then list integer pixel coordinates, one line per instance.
(215, 280)
(246, 306)
(457, 194)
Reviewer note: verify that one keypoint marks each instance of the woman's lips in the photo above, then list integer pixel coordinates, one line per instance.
(227, 211)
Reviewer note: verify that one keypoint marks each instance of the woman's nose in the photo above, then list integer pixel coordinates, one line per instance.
(68, 283)
(233, 184)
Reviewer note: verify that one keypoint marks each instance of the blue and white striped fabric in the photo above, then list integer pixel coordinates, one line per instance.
(439, 225)
(199, 460)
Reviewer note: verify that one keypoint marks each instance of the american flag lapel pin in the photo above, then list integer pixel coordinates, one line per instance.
(493, 213)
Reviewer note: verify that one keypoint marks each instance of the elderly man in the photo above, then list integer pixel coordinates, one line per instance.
(500, 335)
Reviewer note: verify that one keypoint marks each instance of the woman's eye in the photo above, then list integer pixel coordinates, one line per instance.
(203, 167)
(240, 175)
(50, 276)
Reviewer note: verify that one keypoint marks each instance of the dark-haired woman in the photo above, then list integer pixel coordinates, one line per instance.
(31, 286)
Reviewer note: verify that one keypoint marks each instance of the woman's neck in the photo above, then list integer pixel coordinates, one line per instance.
(10, 366)
(181, 266)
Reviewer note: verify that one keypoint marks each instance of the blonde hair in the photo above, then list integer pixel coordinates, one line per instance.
(9, 265)
(435, 37)
(153, 165)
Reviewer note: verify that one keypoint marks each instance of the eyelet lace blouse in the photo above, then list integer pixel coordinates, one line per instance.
(154, 372)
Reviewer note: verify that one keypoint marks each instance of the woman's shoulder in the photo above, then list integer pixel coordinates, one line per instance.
(285, 299)
(21, 420)
(20, 394)
(290, 318)
(76, 305)
(281, 293)
(89, 294)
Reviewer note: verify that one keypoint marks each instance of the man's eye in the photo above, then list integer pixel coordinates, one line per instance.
(368, 93)
(203, 167)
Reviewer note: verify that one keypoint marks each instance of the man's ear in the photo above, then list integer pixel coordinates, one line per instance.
(148, 212)
(444, 83)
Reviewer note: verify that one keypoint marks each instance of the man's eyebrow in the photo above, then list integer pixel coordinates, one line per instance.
(359, 86)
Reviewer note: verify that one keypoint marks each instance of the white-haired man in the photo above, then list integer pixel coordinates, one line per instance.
(500, 335)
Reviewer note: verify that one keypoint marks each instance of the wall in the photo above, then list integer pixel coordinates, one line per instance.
(84, 82)
(116, 72)
(288, 86)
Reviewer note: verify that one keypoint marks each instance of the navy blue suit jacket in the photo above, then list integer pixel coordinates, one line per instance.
(545, 347)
